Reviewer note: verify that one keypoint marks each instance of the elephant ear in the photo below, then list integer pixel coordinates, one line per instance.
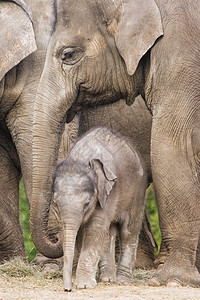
(104, 179)
(137, 29)
(16, 34)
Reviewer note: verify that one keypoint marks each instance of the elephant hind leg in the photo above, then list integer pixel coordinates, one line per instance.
(107, 268)
(145, 252)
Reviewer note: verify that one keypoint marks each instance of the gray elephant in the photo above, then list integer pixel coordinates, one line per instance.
(102, 182)
(20, 70)
(107, 50)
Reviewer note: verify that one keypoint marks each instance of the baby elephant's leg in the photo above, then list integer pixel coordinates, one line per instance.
(107, 269)
(93, 243)
(129, 234)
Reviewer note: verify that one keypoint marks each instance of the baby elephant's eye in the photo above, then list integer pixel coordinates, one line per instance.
(87, 202)
(70, 56)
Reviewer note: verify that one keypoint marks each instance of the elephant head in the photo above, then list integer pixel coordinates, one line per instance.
(93, 57)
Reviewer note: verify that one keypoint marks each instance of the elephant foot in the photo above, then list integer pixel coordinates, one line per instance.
(88, 283)
(124, 276)
(50, 265)
(175, 277)
(107, 277)
(124, 280)
(107, 274)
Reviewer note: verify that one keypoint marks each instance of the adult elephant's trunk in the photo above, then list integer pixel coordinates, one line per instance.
(49, 119)
(70, 232)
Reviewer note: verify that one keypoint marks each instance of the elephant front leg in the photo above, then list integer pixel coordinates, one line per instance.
(95, 232)
(107, 269)
(177, 192)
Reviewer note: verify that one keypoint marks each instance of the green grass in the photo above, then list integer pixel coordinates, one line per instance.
(24, 220)
(152, 213)
(25, 224)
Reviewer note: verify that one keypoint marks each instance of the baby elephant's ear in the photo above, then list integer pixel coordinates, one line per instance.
(104, 180)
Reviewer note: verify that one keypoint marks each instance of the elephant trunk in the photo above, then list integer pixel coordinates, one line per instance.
(70, 233)
(49, 120)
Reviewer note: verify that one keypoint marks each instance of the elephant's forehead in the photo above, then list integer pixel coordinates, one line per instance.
(72, 183)
(75, 12)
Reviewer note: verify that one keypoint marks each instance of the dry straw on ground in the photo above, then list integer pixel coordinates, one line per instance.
(19, 280)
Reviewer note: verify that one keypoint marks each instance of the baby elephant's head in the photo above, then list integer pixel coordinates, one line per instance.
(79, 187)
(74, 191)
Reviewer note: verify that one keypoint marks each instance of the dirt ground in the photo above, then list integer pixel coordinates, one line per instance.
(19, 281)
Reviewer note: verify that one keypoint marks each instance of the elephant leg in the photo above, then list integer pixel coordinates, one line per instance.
(107, 269)
(11, 238)
(177, 189)
(128, 236)
(146, 245)
(95, 232)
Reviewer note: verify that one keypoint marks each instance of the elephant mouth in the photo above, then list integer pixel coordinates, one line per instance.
(85, 98)
(93, 100)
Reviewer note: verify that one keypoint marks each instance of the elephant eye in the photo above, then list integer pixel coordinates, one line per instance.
(70, 56)
(87, 202)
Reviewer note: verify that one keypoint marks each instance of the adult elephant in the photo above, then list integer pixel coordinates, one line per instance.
(121, 52)
(20, 71)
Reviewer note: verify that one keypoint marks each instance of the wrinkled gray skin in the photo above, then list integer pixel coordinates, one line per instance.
(20, 71)
(101, 183)
(117, 55)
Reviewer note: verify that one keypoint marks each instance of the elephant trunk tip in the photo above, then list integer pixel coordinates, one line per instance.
(48, 248)
(67, 286)
(67, 290)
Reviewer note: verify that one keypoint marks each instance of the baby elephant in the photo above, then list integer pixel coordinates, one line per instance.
(100, 184)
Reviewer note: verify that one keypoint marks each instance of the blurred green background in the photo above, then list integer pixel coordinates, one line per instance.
(152, 212)
(24, 220)
(24, 216)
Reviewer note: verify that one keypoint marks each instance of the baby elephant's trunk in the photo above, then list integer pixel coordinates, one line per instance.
(70, 233)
